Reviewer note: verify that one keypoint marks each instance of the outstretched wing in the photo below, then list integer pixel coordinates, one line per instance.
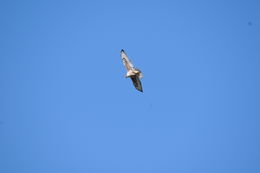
(137, 83)
(126, 61)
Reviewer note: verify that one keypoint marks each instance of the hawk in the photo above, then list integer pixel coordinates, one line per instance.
(132, 72)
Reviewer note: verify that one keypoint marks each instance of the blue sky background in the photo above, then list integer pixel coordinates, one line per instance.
(65, 105)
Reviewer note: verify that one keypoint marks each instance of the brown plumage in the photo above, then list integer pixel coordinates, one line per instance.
(132, 72)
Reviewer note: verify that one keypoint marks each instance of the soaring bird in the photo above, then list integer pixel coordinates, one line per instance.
(132, 72)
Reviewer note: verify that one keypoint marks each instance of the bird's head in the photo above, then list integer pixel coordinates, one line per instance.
(139, 73)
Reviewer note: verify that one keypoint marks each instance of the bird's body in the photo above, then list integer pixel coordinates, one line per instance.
(132, 72)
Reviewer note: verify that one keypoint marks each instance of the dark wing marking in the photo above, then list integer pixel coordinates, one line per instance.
(137, 83)
(128, 64)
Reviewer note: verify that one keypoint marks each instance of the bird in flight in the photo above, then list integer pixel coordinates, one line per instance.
(132, 72)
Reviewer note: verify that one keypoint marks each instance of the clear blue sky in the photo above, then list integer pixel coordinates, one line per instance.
(66, 107)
